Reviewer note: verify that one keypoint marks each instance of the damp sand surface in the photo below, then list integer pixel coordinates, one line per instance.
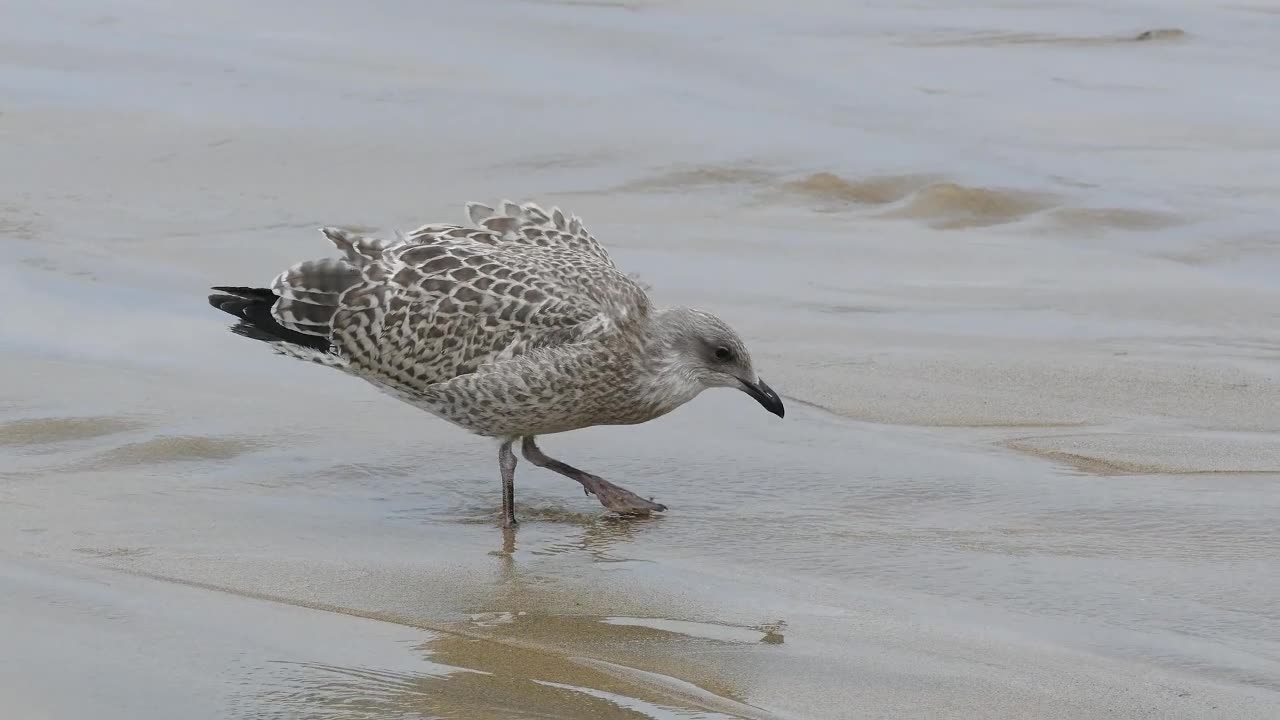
(1013, 267)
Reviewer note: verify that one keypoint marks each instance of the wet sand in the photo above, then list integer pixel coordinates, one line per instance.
(1013, 269)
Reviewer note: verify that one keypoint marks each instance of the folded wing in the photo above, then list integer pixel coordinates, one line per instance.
(444, 300)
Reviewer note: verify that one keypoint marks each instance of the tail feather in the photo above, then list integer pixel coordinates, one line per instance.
(253, 307)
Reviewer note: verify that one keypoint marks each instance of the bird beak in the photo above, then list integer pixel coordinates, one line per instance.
(765, 396)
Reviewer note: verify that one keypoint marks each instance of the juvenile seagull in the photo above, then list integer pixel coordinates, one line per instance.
(517, 326)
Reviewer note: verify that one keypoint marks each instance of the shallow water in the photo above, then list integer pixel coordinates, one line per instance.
(1013, 267)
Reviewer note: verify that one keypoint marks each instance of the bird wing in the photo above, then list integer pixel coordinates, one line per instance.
(445, 300)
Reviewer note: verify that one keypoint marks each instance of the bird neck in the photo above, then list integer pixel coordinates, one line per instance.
(666, 380)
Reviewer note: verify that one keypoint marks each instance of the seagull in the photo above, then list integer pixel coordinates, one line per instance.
(514, 326)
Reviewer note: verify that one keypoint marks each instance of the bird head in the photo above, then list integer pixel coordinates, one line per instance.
(706, 353)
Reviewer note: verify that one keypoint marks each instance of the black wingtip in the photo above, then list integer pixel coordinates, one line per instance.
(248, 293)
(253, 307)
(230, 304)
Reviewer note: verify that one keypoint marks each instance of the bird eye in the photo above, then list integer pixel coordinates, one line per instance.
(723, 354)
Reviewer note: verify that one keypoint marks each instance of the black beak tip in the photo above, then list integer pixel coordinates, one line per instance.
(766, 396)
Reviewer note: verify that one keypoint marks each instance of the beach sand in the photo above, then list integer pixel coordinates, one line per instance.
(1013, 268)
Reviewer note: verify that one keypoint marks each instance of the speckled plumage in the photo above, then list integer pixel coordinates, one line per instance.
(517, 325)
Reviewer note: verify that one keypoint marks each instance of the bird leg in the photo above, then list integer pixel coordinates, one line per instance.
(617, 499)
(507, 463)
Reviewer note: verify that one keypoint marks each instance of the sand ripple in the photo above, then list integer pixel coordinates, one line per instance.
(1144, 454)
(697, 177)
(930, 198)
(1002, 39)
(868, 191)
(949, 206)
(1114, 218)
(176, 449)
(41, 431)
